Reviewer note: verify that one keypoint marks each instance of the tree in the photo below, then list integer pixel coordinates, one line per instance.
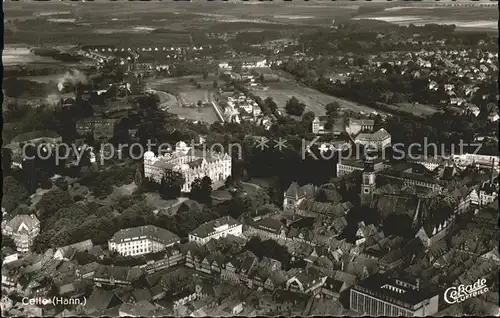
(85, 159)
(271, 104)
(52, 201)
(328, 124)
(206, 189)
(7, 241)
(244, 176)
(14, 193)
(6, 161)
(102, 186)
(171, 185)
(321, 196)
(238, 67)
(104, 212)
(138, 177)
(61, 183)
(332, 109)
(295, 107)
(229, 181)
(201, 189)
(308, 117)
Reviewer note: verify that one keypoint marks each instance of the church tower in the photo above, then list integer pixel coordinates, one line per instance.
(367, 182)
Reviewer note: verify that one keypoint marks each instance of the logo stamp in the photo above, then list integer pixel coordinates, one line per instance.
(455, 295)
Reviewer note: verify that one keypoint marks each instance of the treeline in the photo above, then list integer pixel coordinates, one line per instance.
(56, 55)
(15, 87)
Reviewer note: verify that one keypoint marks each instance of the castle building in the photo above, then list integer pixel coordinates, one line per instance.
(191, 164)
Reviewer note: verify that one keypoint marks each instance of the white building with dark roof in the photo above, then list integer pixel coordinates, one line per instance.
(216, 229)
(142, 240)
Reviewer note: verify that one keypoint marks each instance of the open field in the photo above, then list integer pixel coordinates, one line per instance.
(20, 55)
(111, 23)
(418, 109)
(45, 78)
(415, 109)
(477, 18)
(314, 100)
(175, 92)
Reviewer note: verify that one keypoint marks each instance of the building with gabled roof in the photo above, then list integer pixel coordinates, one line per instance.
(268, 228)
(216, 229)
(438, 221)
(390, 204)
(296, 193)
(308, 281)
(332, 288)
(116, 275)
(359, 125)
(142, 240)
(23, 229)
(67, 252)
(320, 208)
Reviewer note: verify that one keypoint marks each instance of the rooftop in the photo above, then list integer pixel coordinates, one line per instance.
(269, 224)
(206, 229)
(295, 190)
(121, 273)
(35, 135)
(145, 232)
(141, 308)
(30, 222)
(379, 135)
(362, 122)
(394, 290)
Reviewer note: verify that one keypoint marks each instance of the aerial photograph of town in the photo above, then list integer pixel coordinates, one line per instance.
(250, 158)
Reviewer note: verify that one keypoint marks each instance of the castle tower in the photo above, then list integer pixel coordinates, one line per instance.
(367, 182)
